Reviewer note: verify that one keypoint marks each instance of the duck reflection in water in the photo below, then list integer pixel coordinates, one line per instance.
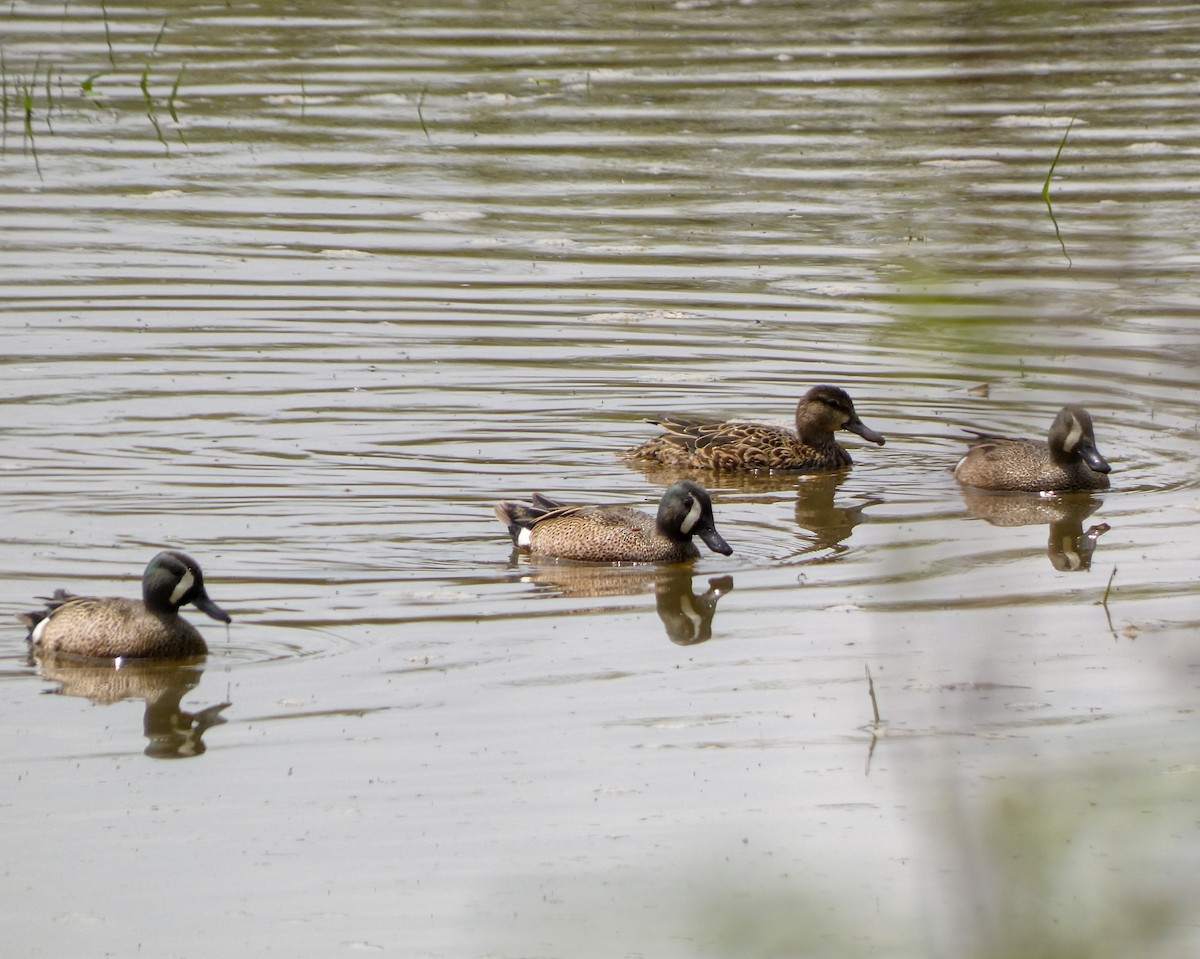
(828, 523)
(686, 616)
(825, 523)
(171, 731)
(1069, 547)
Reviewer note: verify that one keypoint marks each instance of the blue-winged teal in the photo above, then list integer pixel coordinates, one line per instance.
(752, 447)
(113, 628)
(616, 534)
(1068, 461)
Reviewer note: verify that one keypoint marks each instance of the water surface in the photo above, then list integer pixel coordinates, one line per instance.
(388, 265)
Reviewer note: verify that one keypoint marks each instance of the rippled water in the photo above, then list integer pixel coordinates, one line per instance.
(385, 266)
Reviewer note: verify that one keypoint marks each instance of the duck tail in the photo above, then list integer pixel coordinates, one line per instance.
(518, 516)
(31, 619)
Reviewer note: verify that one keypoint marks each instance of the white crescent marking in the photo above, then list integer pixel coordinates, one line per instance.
(1073, 437)
(182, 587)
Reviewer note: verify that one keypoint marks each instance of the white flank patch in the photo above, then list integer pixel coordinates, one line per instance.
(1073, 437)
(182, 587)
(693, 516)
(524, 537)
(36, 636)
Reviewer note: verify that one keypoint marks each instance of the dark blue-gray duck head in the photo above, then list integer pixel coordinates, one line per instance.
(685, 511)
(1071, 435)
(174, 579)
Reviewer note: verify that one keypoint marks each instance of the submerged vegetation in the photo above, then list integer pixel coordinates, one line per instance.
(1046, 189)
(17, 101)
(151, 107)
(31, 94)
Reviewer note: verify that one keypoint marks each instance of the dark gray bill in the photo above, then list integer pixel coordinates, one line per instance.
(1091, 456)
(712, 539)
(207, 606)
(858, 426)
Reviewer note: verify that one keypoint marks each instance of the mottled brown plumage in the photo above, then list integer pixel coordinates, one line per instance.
(740, 447)
(616, 534)
(1068, 460)
(115, 628)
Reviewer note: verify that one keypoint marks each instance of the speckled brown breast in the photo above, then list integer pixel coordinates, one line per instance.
(1019, 465)
(607, 535)
(112, 628)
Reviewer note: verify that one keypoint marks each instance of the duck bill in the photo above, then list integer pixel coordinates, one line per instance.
(858, 426)
(209, 608)
(1091, 456)
(714, 541)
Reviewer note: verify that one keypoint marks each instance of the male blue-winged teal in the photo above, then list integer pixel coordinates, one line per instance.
(113, 628)
(752, 447)
(1067, 461)
(616, 534)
